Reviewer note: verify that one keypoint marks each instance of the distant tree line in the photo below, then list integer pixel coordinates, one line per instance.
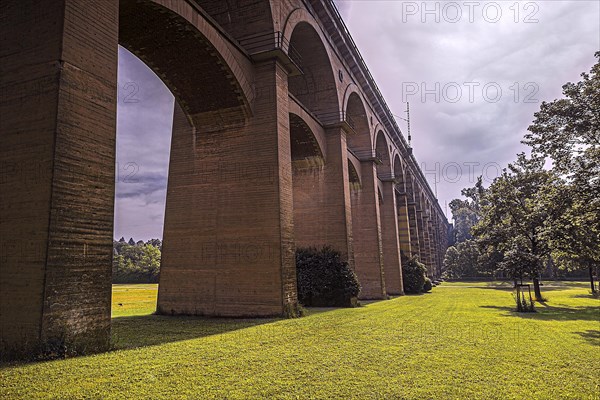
(136, 262)
(533, 220)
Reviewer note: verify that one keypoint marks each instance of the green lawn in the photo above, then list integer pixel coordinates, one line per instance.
(461, 341)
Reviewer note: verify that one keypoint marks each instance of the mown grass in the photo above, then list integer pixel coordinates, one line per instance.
(461, 341)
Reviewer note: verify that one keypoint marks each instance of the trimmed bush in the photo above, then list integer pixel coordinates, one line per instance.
(413, 275)
(324, 280)
(428, 285)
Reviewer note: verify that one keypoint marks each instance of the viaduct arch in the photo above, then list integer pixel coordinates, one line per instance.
(280, 139)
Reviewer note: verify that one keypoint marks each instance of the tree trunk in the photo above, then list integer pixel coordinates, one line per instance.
(536, 289)
(591, 269)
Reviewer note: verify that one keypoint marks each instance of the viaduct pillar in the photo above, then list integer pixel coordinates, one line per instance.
(414, 229)
(391, 243)
(366, 229)
(58, 124)
(403, 224)
(229, 246)
(322, 209)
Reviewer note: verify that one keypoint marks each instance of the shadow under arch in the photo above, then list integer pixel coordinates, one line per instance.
(187, 62)
(399, 173)
(382, 152)
(316, 87)
(233, 16)
(359, 143)
(304, 146)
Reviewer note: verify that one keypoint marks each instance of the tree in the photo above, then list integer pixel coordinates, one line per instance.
(149, 263)
(575, 237)
(466, 213)
(517, 213)
(135, 263)
(463, 259)
(567, 131)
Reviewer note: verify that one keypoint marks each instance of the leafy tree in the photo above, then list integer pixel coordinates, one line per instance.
(517, 215)
(136, 263)
(575, 237)
(463, 259)
(155, 242)
(567, 131)
(466, 212)
(131, 242)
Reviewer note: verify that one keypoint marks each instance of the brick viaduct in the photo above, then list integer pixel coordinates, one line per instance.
(281, 139)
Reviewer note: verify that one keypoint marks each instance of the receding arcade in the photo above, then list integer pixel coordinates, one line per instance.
(279, 140)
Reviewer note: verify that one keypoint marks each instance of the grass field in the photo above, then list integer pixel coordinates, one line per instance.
(460, 341)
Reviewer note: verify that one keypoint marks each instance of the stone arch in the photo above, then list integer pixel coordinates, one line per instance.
(181, 54)
(360, 142)
(398, 169)
(316, 86)
(305, 148)
(382, 152)
(353, 175)
(241, 18)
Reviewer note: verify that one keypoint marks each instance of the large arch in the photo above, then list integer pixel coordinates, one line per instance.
(316, 86)
(399, 174)
(360, 141)
(187, 62)
(382, 153)
(217, 155)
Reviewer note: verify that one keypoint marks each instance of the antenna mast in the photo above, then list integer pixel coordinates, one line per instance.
(408, 122)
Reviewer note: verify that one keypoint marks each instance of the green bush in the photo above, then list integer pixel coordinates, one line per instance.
(413, 275)
(324, 280)
(428, 285)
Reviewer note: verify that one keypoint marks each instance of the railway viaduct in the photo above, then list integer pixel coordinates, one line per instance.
(281, 139)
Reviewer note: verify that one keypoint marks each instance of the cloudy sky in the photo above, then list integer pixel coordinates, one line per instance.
(473, 72)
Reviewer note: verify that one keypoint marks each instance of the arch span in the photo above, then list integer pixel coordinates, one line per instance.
(188, 62)
(305, 147)
(360, 141)
(316, 87)
(382, 151)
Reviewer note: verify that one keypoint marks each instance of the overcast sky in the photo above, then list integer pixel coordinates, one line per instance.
(473, 72)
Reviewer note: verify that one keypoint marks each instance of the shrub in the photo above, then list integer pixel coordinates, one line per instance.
(413, 275)
(324, 280)
(428, 285)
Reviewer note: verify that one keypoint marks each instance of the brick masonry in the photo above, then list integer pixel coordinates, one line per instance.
(249, 179)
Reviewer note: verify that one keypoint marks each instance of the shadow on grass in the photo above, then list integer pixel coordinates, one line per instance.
(551, 313)
(585, 296)
(592, 336)
(549, 286)
(149, 330)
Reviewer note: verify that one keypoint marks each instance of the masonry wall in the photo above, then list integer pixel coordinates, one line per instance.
(228, 237)
(59, 64)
